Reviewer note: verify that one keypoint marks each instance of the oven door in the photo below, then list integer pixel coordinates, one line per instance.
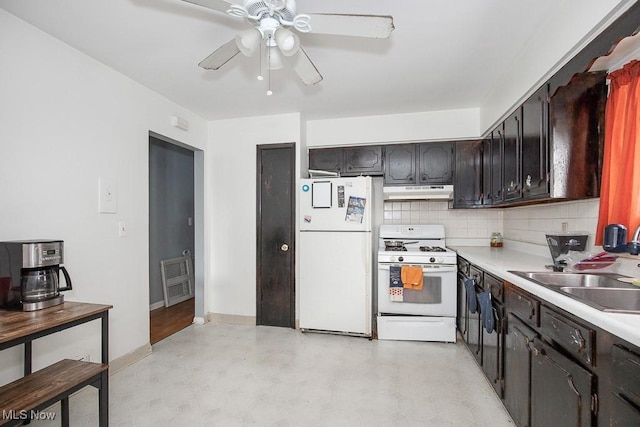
(437, 297)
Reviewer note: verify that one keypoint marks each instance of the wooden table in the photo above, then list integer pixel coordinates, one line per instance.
(22, 327)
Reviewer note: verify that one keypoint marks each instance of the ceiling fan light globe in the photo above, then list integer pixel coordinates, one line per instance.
(249, 41)
(287, 41)
(274, 58)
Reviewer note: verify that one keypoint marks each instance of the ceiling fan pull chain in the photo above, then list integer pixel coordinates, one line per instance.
(269, 92)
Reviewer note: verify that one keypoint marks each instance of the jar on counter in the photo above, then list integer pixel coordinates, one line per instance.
(496, 240)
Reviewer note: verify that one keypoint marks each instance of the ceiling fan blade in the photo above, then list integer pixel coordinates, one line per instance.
(303, 66)
(219, 5)
(221, 56)
(374, 26)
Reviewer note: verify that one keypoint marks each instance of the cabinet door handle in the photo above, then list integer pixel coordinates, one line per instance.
(579, 340)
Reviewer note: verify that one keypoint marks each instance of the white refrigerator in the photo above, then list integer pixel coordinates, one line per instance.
(336, 255)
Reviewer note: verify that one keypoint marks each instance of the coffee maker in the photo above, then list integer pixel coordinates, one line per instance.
(30, 274)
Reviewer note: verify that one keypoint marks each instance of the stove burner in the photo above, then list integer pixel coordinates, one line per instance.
(432, 249)
(396, 249)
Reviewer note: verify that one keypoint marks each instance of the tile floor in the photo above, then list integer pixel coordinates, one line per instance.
(231, 375)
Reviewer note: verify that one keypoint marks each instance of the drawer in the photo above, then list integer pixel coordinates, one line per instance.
(523, 306)
(625, 374)
(463, 266)
(578, 340)
(495, 285)
(478, 275)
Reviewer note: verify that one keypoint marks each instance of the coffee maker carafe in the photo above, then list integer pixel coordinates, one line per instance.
(30, 274)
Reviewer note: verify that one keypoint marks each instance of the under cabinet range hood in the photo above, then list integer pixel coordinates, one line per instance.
(418, 192)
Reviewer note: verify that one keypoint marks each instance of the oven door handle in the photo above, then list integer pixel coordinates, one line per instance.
(426, 268)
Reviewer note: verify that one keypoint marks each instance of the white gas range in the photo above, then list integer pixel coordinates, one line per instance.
(416, 284)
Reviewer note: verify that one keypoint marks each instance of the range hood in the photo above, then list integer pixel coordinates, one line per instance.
(418, 192)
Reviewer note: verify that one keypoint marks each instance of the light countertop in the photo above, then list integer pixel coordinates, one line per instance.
(498, 261)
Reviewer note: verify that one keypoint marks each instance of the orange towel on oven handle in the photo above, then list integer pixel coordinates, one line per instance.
(411, 277)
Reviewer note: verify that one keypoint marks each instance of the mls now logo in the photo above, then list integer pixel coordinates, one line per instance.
(28, 415)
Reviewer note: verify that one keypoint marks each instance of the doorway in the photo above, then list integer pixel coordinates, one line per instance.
(171, 230)
(275, 288)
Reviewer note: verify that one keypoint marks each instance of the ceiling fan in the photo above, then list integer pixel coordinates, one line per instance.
(271, 34)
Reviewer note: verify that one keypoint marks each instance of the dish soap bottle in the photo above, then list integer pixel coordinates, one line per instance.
(496, 240)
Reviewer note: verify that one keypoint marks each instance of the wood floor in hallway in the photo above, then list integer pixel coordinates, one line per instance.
(166, 321)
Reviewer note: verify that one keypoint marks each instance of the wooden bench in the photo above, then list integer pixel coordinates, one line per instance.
(24, 397)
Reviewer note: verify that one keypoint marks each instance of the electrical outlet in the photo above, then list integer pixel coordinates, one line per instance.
(85, 358)
(565, 227)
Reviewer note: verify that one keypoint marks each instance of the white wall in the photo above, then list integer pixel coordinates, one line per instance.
(569, 29)
(232, 182)
(66, 121)
(423, 126)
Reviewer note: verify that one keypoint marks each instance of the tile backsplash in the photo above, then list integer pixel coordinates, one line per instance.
(459, 223)
(527, 224)
(531, 223)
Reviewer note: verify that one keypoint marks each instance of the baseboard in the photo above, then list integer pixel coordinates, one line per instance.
(156, 305)
(128, 359)
(234, 319)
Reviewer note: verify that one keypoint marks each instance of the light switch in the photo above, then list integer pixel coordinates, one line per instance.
(122, 229)
(107, 196)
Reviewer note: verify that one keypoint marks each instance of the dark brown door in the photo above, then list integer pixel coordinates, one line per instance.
(275, 305)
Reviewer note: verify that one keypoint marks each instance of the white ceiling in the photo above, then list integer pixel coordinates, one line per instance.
(443, 54)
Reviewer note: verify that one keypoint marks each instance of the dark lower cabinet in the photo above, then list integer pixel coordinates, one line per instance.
(518, 354)
(562, 392)
(493, 341)
(461, 315)
(493, 351)
(474, 330)
(625, 382)
(474, 325)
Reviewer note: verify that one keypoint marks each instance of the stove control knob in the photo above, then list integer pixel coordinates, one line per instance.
(400, 258)
(432, 259)
(440, 260)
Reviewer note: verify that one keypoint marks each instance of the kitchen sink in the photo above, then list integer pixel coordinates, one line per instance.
(608, 299)
(580, 280)
(603, 291)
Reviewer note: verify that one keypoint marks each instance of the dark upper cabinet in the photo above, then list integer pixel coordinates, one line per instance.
(425, 163)
(327, 159)
(363, 160)
(400, 164)
(512, 160)
(468, 174)
(535, 145)
(436, 163)
(576, 120)
(348, 161)
(495, 154)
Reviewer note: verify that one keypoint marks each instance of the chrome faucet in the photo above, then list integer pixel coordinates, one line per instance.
(634, 244)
